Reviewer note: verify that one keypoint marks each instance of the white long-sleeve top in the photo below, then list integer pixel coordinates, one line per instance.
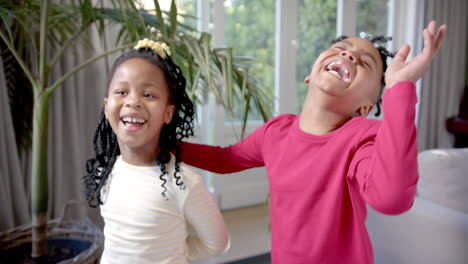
(143, 227)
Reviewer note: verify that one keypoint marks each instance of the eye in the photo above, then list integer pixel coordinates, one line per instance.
(148, 95)
(366, 64)
(120, 92)
(338, 47)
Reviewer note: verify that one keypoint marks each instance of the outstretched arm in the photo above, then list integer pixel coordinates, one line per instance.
(385, 165)
(243, 155)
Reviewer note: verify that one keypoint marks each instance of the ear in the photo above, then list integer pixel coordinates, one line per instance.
(105, 107)
(365, 110)
(169, 113)
(307, 79)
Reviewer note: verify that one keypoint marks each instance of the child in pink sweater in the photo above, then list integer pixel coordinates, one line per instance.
(327, 163)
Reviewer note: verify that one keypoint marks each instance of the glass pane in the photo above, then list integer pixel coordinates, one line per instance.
(372, 17)
(250, 30)
(316, 30)
(185, 9)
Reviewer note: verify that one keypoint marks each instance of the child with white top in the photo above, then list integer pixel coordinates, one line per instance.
(148, 198)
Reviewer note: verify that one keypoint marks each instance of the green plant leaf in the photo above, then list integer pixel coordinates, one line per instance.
(162, 25)
(173, 18)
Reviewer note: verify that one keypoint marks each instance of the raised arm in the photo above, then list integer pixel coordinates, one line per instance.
(243, 155)
(385, 165)
(400, 70)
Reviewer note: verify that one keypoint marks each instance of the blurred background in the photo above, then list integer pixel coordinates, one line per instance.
(277, 41)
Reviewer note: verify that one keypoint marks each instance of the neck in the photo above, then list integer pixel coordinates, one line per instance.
(140, 157)
(319, 119)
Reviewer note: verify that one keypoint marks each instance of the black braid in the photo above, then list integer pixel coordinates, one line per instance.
(181, 126)
(384, 55)
(164, 172)
(106, 150)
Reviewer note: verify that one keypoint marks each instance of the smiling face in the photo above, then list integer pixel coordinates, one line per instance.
(137, 106)
(348, 75)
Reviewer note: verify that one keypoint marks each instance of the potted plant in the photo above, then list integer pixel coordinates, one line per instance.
(31, 27)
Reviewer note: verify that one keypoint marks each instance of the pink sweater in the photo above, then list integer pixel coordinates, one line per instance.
(319, 185)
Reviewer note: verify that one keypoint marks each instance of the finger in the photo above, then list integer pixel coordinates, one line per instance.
(402, 54)
(428, 44)
(431, 27)
(439, 38)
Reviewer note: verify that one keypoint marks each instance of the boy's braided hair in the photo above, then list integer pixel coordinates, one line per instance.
(384, 55)
(105, 143)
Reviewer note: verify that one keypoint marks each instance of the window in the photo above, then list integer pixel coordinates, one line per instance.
(249, 27)
(316, 29)
(186, 9)
(250, 30)
(372, 17)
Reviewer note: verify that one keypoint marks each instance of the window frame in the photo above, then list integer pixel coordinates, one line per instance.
(251, 187)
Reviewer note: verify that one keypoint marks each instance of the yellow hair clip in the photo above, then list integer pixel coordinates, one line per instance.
(159, 47)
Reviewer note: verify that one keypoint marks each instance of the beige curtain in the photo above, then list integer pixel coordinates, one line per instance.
(74, 112)
(73, 115)
(14, 204)
(442, 86)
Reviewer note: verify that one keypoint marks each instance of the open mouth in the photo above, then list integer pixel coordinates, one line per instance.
(339, 69)
(133, 122)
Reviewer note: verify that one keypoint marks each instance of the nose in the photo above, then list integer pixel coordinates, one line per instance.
(348, 55)
(133, 101)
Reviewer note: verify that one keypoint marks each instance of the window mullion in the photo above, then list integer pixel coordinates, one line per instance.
(346, 17)
(285, 56)
(203, 14)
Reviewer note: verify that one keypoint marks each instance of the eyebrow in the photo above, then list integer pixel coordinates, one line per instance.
(364, 53)
(144, 84)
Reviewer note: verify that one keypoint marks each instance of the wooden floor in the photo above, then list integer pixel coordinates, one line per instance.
(249, 234)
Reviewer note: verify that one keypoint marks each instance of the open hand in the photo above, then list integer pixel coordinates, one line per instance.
(400, 70)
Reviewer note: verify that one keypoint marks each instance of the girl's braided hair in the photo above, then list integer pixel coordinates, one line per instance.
(106, 148)
(384, 55)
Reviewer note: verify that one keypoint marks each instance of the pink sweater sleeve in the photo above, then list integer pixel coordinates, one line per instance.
(385, 164)
(243, 155)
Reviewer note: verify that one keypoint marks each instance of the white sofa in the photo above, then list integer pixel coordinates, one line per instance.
(435, 230)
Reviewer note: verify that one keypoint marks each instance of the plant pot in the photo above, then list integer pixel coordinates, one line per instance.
(70, 241)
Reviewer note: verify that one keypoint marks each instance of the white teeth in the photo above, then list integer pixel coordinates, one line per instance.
(335, 73)
(133, 120)
(333, 64)
(330, 70)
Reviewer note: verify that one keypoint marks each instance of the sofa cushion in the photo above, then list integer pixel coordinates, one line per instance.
(444, 177)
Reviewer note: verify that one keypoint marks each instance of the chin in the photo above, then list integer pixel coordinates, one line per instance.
(133, 142)
(331, 85)
(331, 90)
